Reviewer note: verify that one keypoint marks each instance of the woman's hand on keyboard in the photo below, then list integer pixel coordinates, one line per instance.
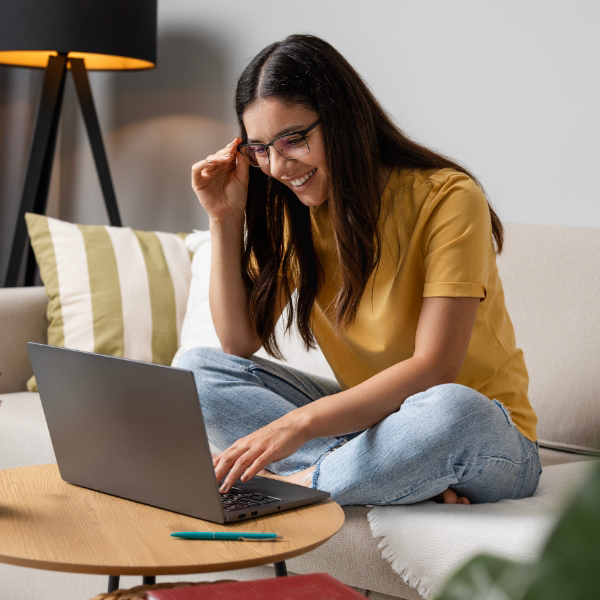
(246, 457)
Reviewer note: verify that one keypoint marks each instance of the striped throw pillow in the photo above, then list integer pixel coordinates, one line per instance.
(112, 290)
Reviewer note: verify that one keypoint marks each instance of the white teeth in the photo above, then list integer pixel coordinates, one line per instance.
(298, 182)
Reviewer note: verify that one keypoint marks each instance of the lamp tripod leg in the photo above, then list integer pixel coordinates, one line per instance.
(39, 165)
(86, 101)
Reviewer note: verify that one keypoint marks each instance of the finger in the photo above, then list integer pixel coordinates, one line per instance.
(228, 149)
(210, 161)
(219, 158)
(221, 162)
(242, 168)
(201, 173)
(227, 460)
(260, 463)
(223, 465)
(200, 167)
(202, 164)
(236, 471)
(208, 169)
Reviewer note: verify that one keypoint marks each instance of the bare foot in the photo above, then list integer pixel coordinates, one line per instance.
(450, 497)
(302, 477)
(267, 473)
(299, 478)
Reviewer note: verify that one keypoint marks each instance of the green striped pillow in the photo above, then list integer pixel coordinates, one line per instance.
(112, 290)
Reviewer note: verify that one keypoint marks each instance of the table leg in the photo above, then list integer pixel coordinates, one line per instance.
(280, 569)
(148, 579)
(113, 583)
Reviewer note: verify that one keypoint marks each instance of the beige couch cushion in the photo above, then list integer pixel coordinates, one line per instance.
(551, 457)
(22, 320)
(551, 278)
(24, 437)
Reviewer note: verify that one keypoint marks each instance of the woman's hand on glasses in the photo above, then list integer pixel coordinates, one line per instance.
(221, 182)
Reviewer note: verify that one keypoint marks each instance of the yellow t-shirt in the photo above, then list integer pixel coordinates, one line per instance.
(436, 241)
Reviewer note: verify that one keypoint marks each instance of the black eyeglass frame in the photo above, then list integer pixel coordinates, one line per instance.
(302, 132)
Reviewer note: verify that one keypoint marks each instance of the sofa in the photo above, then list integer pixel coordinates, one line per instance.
(551, 279)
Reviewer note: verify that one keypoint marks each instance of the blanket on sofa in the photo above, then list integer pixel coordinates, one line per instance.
(427, 542)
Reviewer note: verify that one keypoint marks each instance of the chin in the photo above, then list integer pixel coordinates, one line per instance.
(310, 202)
(312, 199)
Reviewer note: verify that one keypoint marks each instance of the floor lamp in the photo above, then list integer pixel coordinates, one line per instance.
(75, 35)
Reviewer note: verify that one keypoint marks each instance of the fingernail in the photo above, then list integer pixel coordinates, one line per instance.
(226, 155)
(223, 488)
(210, 162)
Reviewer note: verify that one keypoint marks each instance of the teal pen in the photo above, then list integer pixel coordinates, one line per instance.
(226, 535)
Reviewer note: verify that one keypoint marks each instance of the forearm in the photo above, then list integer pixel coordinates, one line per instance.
(227, 294)
(370, 402)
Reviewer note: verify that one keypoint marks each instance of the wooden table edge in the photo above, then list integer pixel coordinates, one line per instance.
(177, 570)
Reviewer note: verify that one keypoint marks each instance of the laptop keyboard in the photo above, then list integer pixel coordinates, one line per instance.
(236, 499)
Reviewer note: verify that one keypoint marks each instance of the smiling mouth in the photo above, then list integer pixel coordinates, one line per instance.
(302, 180)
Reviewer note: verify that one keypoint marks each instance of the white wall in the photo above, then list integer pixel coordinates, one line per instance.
(511, 89)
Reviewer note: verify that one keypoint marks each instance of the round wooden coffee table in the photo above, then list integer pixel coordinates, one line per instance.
(49, 524)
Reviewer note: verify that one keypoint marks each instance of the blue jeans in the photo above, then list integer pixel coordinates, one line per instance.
(449, 436)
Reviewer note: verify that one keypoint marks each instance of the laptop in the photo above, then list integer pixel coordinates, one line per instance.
(135, 430)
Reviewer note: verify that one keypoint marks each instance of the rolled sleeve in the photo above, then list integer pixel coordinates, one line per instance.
(457, 240)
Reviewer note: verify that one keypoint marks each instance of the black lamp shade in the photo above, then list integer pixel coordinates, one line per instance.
(108, 34)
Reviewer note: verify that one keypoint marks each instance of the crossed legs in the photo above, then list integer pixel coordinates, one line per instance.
(449, 444)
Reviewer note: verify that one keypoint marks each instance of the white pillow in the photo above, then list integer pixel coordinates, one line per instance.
(198, 329)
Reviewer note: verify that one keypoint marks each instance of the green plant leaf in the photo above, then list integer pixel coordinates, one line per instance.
(486, 577)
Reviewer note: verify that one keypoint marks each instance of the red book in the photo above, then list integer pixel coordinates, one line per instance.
(317, 586)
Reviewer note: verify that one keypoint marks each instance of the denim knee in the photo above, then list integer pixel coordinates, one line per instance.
(213, 370)
(194, 358)
(455, 390)
(447, 403)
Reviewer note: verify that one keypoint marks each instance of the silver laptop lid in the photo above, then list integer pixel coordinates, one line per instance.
(128, 428)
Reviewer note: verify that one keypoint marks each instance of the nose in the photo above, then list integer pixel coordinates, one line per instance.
(277, 164)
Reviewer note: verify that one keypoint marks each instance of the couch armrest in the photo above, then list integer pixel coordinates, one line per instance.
(22, 320)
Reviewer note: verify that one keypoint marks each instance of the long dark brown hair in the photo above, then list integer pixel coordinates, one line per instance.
(360, 139)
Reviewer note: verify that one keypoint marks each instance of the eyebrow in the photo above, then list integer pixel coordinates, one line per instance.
(291, 129)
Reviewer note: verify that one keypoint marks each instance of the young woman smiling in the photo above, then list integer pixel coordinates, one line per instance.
(390, 248)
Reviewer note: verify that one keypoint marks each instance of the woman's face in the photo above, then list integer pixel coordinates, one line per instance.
(269, 118)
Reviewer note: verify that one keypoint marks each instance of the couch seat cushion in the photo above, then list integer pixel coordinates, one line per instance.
(353, 555)
(24, 437)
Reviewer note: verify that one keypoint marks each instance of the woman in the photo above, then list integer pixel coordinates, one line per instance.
(390, 248)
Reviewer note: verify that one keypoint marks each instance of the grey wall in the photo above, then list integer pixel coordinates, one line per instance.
(508, 88)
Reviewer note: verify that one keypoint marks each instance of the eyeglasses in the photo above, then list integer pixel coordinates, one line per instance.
(290, 145)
